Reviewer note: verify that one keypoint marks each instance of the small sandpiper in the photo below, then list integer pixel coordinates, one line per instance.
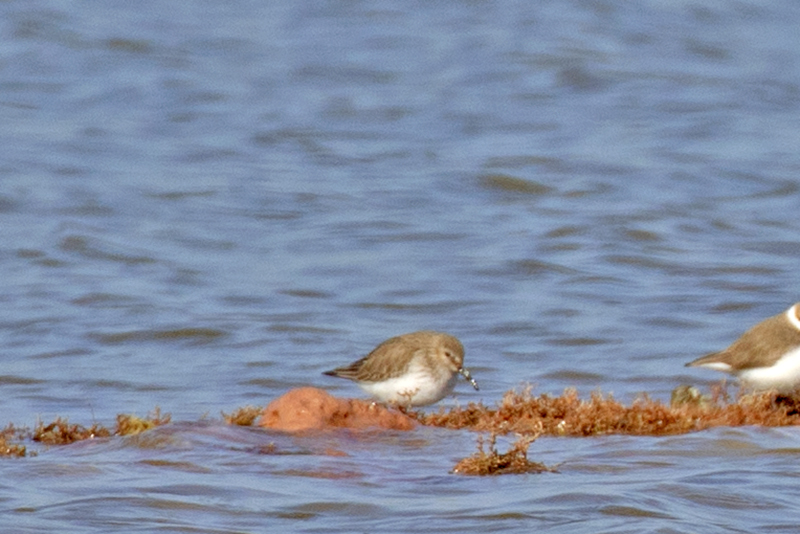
(414, 369)
(766, 357)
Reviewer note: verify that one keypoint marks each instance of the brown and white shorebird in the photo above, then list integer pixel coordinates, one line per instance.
(766, 357)
(410, 370)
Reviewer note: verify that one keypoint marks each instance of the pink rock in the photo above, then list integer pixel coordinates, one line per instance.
(314, 409)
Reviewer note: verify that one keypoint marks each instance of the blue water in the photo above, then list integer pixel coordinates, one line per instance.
(206, 204)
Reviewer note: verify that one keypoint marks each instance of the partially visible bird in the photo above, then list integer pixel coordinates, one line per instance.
(766, 357)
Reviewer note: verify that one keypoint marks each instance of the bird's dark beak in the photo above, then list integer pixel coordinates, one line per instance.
(465, 373)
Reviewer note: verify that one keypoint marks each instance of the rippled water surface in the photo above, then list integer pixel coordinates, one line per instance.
(205, 204)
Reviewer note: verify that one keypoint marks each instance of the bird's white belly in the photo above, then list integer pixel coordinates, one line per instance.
(783, 376)
(415, 388)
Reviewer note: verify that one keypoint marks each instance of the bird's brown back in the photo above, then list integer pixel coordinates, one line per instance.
(392, 357)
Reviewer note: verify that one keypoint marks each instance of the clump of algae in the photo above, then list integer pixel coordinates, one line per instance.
(62, 432)
(245, 416)
(519, 412)
(129, 424)
(530, 416)
(568, 415)
(9, 447)
(491, 462)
